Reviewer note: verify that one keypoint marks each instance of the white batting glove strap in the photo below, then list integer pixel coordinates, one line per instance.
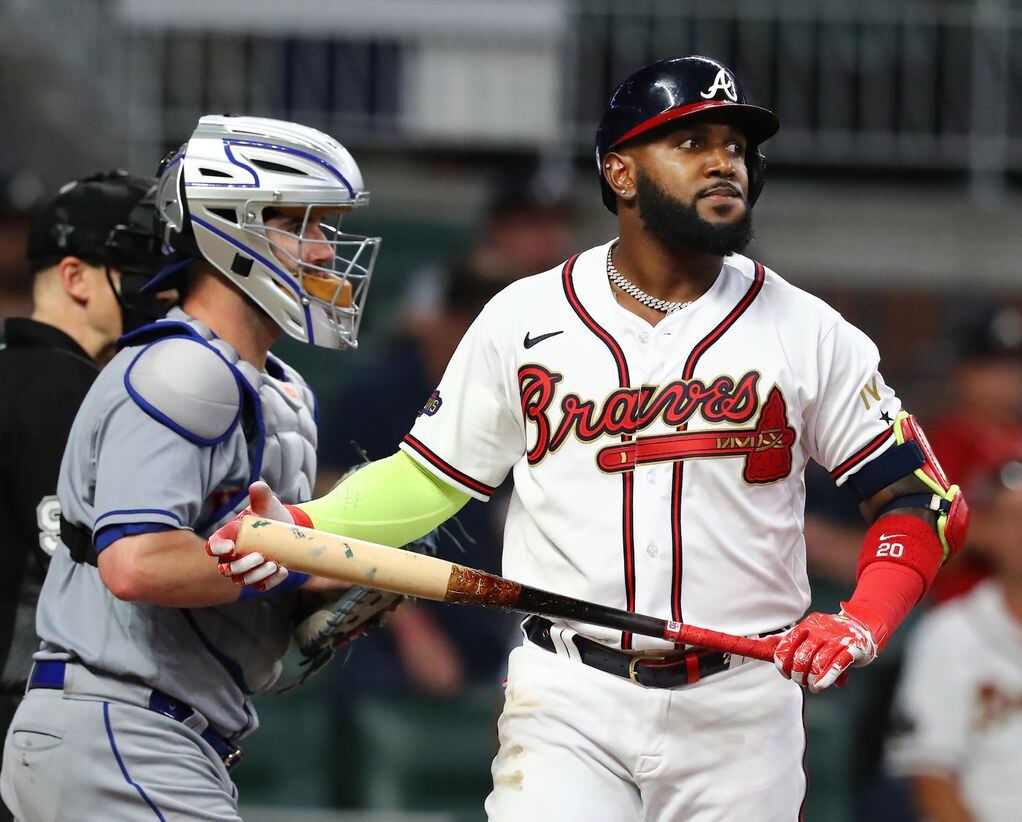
(864, 647)
(859, 649)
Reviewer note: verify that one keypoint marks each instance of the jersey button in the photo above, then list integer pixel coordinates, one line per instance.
(651, 477)
(643, 337)
(652, 550)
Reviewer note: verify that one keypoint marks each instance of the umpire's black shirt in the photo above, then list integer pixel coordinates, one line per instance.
(44, 376)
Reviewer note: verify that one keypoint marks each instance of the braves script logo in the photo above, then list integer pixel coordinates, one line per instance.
(765, 447)
(722, 82)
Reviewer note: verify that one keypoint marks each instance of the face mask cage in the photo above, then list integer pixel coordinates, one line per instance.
(331, 269)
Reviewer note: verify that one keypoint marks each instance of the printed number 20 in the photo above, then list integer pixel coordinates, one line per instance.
(890, 549)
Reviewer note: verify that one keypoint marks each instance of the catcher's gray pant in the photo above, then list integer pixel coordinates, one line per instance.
(82, 759)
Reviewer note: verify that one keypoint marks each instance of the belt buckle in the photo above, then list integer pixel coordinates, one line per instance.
(635, 660)
(233, 757)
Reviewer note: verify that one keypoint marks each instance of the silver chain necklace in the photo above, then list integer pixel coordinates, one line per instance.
(632, 290)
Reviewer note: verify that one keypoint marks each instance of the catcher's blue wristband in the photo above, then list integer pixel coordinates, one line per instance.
(294, 579)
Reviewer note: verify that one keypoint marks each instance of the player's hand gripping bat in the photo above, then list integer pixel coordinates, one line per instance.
(391, 569)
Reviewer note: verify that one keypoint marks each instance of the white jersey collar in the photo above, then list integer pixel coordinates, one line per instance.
(589, 277)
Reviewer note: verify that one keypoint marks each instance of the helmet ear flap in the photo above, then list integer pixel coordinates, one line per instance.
(755, 165)
(171, 213)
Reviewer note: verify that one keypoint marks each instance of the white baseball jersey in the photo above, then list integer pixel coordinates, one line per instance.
(959, 704)
(657, 468)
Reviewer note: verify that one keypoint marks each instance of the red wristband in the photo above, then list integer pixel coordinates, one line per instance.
(299, 516)
(903, 539)
(900, 557)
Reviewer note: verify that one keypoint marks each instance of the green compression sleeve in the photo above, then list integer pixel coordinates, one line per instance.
(390, 502)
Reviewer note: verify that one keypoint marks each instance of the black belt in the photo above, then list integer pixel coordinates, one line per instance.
(650, 669)
(50, 674)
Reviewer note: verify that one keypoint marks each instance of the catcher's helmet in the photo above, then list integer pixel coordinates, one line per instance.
(210, 200)
(680, 87)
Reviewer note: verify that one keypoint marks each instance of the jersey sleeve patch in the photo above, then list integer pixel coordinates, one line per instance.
(187, 386)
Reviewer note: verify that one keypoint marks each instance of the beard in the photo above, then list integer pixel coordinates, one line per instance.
(678, 226)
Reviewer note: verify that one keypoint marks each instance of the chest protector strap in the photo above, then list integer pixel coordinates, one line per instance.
(79, 542)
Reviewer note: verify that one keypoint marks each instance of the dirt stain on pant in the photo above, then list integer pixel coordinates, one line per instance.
(512, 779)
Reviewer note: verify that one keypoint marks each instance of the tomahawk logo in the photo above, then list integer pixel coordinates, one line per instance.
(722, 82)
(765, 449)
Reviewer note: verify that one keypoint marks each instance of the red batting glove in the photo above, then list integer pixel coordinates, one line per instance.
(822, 647)
(253, 569)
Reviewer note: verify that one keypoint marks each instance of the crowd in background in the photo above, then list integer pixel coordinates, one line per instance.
(931, 731)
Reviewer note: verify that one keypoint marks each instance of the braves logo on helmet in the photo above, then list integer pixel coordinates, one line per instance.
(722, 82)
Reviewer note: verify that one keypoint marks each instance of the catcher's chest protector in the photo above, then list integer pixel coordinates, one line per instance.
(277, 408)
(288, 459)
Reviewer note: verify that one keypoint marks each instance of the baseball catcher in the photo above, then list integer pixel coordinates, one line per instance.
(141, 690)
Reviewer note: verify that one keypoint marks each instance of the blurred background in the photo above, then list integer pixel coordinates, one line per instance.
(894, 191)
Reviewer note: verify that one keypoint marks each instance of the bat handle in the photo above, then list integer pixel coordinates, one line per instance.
(762, 649)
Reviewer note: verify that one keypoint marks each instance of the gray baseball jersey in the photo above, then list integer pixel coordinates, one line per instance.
(170, 436)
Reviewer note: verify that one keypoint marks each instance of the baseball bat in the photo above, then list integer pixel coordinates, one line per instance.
(356, 562)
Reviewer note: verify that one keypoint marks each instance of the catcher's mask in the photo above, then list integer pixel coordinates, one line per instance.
(221, 197)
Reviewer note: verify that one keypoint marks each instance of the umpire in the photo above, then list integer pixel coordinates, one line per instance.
(90, 249)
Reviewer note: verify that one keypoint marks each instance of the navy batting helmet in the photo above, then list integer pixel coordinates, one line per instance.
(680, 87)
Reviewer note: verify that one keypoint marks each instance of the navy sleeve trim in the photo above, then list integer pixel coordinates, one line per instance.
(863, 453)
(133, 511)
(109, 534)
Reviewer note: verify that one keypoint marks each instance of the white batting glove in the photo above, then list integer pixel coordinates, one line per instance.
(252, 569)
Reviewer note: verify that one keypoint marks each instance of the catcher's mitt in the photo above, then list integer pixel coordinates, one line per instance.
(334, 624)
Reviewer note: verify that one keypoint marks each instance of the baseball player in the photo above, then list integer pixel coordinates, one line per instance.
(656, 399)
(957, 730)
(140, 689)
(89, 249)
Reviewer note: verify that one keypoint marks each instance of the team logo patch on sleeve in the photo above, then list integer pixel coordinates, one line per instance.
(432, 404)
